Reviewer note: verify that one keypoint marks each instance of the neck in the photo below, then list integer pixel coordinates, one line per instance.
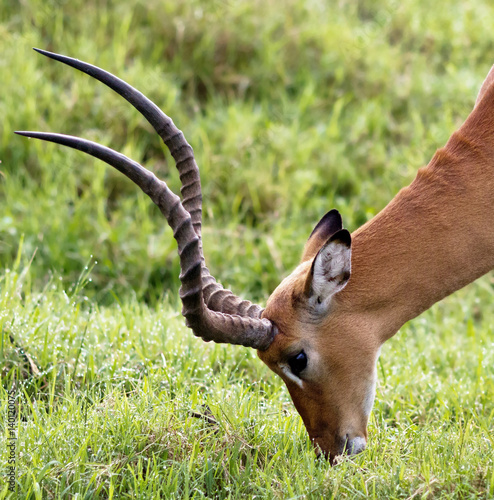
(435, 236)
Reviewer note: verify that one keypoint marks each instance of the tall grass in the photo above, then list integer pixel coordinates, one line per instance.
(292, 110)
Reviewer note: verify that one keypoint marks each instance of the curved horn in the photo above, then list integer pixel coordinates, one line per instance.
(205, 323)
(216, 297)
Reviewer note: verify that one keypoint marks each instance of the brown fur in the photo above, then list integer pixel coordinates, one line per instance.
(434, 237)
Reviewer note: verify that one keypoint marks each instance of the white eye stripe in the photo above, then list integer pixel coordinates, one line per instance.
(288, 372)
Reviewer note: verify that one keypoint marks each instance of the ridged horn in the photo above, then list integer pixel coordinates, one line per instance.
(205, 323)
(216, 297)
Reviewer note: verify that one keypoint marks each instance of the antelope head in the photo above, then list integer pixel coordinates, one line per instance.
(321, 351)
(323, 326)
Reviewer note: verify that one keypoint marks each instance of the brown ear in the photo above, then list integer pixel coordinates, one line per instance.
(325, 228)
(489, 80)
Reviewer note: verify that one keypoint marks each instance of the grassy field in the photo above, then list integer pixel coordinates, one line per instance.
(291, 111)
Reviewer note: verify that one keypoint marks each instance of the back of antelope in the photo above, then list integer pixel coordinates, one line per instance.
(324, 325)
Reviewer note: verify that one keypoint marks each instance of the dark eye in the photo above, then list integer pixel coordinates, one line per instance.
(298, 363)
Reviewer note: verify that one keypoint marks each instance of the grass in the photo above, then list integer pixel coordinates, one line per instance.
(291, 112)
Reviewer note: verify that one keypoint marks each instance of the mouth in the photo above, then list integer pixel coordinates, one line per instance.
(322, 454)
(326, 455)
(349, 448)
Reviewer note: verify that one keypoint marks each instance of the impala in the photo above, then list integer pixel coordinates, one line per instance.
(324, 325)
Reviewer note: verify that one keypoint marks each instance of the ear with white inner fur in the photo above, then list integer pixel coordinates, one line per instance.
(330, 270)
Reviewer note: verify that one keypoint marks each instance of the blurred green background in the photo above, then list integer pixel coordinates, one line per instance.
(292, 109)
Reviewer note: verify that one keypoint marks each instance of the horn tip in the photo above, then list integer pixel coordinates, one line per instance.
(51, 55)
(27, 133)
(41, 51)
